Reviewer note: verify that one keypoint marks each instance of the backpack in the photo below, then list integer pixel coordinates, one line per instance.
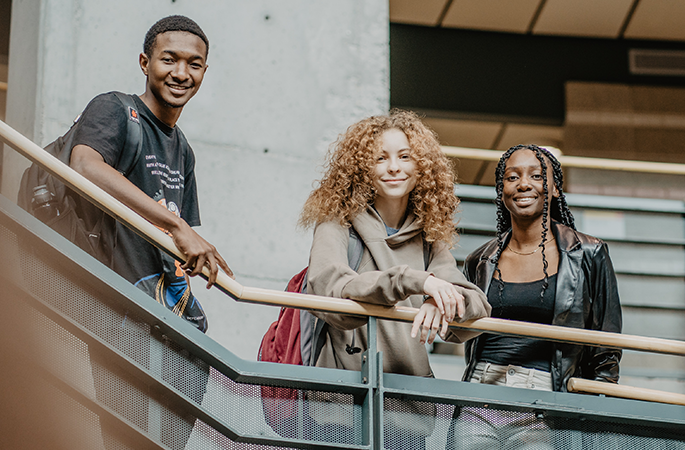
(63, 209)
(296, 337)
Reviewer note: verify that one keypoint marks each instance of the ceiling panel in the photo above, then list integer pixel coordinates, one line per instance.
(589, 18)
(465, 133)
(424, 12)
(658, 19)
(494, 15)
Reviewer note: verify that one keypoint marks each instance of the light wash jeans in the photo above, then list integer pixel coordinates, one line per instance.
(485, 429)
(512, 376)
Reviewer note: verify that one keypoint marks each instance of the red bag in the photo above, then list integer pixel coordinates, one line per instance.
(281, 344)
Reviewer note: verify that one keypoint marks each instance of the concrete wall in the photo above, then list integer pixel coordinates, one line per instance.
(5, 16)
(285, 78)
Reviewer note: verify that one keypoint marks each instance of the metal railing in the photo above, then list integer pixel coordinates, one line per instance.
(191, 391)
(137, 376)
(306, 301)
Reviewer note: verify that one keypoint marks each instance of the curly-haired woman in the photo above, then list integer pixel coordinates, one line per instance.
(388, 179)
(538, 269)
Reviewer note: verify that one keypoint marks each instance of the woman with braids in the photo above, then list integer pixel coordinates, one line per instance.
(538, 269)
(387, 181)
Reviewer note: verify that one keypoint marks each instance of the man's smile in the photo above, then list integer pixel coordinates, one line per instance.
(177, 88)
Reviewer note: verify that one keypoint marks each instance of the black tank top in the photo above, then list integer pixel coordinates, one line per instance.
(520, 301)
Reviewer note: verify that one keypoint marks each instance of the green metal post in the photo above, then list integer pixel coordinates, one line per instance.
(378, 403)
(369, 376)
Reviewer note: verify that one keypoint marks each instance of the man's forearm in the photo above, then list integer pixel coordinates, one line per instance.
(91, 165)
(198, 252)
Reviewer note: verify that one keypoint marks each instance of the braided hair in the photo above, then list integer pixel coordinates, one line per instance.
(557, 209)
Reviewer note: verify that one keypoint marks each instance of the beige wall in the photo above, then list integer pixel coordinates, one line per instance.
(625, 122)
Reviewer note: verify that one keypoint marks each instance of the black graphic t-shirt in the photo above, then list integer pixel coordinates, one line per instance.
(165, 172)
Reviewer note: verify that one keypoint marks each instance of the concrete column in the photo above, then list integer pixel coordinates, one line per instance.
(20, 109)
(285, 78)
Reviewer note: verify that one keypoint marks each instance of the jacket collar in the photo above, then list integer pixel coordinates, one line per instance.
(567, 238)
(570, 262)
(568, 244)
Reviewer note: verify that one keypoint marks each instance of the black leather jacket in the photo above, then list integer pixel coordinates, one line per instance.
(586, 297)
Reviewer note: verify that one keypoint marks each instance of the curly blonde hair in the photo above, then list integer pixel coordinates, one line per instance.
(346, 188)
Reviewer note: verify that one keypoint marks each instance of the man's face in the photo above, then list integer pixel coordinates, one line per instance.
(175, 69)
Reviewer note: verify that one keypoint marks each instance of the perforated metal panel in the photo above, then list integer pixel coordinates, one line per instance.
(129, 395)
(477, 428)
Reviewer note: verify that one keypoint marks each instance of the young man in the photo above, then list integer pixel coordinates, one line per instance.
(161, 184)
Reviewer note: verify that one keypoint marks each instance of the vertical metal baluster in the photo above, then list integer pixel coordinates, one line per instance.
(300, 414)
(372, 412)
(156, 369)
(378, 402)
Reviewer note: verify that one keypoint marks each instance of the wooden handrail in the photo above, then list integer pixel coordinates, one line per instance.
(576, 161)
(617, 390)
(489, 324)
(3, 86)
(314, 302)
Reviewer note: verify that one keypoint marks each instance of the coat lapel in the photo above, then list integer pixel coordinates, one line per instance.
(486, 265)
(570, 260)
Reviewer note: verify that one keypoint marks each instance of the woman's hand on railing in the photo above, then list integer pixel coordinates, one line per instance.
(429, 320)
(447, 298)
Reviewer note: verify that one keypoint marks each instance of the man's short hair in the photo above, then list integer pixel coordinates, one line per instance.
(173, 23)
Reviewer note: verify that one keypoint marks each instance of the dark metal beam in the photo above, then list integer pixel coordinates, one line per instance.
(491, 74)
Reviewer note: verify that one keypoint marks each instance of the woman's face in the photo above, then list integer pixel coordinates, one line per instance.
(394, 176)
(523, 191)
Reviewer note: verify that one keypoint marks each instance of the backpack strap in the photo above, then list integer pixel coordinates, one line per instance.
(134, 135)
(318, 339)
(355, 251)
(426, 254)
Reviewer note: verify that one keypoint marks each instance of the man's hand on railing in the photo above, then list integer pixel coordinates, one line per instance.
(199, 253)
